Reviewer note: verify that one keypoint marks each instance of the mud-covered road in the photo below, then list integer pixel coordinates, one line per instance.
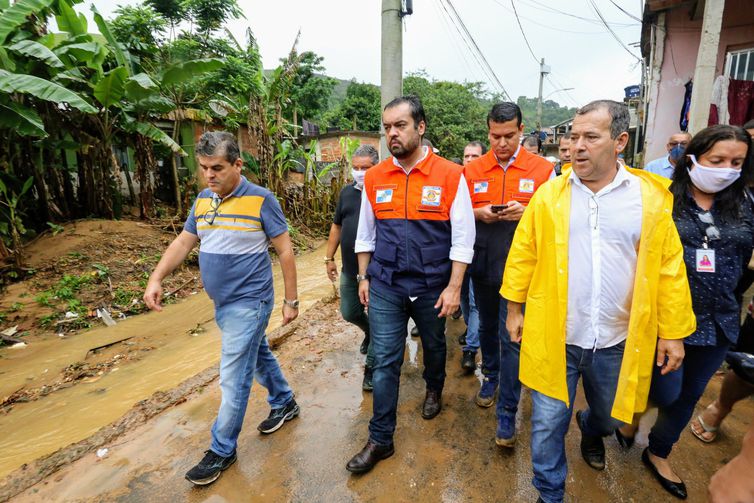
(450, 458)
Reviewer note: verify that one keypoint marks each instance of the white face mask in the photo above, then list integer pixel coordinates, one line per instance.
(712, 180)
(358, 177)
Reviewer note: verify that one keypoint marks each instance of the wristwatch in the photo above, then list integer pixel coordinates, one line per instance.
(329, 259)
(291, 303)
(361, 277)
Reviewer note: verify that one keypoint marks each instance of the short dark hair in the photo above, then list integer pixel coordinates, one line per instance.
(414, 103)
(729, 200)
(749, 125)
(213, 143)
(619, 116)
(477, 144)
(566, 136)
(504, 112)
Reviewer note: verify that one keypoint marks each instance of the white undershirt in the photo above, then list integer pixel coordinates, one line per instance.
(603, 242)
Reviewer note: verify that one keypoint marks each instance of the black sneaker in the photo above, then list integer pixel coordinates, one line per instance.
(278, 417)
(209, 468)
(462, 338)
(364, 345)
(366, 384)
(468, 361)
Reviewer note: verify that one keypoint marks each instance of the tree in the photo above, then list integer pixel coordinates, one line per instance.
(456, 113)
(552, 112)
(310, 92)
(359, 110)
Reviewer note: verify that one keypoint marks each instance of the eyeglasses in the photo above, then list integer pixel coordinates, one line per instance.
(712, 232)
(210, 216)
(683, 144)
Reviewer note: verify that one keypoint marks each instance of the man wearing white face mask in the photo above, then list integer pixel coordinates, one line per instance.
(343, 233)
(664, 166)
(716, 228)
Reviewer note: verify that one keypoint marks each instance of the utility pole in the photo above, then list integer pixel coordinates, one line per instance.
(706, 59)
(391, 81)
(543, 70)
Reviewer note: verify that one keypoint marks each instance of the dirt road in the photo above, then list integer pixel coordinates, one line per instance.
(170, 347)
(450, 458)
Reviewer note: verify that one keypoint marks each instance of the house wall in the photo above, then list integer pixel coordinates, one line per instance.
(679, 61)
(328, 149)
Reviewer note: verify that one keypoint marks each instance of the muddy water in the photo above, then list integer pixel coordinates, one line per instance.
(37, 428)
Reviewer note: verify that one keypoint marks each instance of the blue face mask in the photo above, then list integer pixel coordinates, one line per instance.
(676, 153)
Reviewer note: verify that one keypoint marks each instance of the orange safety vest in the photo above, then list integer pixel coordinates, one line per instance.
(413, 230)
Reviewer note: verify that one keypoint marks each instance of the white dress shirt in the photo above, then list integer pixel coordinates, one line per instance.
(603, 242)
(463, 228)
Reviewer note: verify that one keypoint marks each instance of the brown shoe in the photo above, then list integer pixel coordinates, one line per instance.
(369, 456)
(432, 404)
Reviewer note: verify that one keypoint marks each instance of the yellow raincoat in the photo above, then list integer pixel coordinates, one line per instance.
(537, 273)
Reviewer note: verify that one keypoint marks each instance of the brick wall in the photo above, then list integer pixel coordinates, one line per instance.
(329, 147)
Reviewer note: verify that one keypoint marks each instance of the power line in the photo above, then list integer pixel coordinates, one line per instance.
(471, 68)
(624, 11)
(536, 59)
(537, 23)
(617, 39)
(468, 45)
(582, 18)
(558, 85)
(478, 50)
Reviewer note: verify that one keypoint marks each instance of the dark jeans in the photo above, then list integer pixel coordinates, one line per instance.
(500, 356)
(550, 417)
(509, 391)
(677, 393)
(470, 315)
(389, 314)
(353, 311)
(488, 302)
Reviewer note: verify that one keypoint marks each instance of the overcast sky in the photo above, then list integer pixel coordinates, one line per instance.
(576, 45)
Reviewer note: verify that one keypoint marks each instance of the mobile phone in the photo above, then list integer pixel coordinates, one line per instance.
(497, 208)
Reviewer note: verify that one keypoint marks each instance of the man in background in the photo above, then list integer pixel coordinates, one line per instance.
(343, 233)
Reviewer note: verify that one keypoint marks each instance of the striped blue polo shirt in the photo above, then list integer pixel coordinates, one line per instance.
(233, 256)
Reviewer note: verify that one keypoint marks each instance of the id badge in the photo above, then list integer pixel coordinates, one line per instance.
(705, 260)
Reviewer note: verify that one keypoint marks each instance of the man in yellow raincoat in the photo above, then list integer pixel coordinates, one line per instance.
(598, 262)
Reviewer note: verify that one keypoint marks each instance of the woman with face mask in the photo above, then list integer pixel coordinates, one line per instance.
(716, 226)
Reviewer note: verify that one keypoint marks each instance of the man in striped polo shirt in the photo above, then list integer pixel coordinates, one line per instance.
(234, 220)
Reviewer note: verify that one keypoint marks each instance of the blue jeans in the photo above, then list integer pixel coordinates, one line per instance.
(353, 311)
(245, 355)
(509, 389)
(550, 417)
(388, 316)
(488, 301)
(677, 393)
(470, 316)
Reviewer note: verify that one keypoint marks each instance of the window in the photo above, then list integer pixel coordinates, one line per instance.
(739, 65)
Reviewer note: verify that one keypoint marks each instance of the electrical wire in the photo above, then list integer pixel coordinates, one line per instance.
(617, 39)
(624, 11)
(536, 59)
(582, 18)
(471, 68)
(558, 85)
(485, 63)
(537, 23)
(489, 79)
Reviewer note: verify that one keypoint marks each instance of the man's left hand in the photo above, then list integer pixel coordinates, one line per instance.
(449, 301)
(673, 349)
(513, 212)
(289, 314)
